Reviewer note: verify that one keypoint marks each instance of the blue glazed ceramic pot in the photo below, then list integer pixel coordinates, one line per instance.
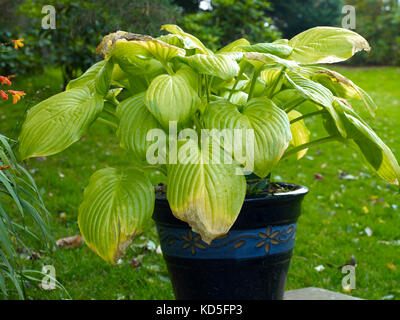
(250, 262)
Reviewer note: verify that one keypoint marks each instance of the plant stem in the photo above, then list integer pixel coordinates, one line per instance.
(107, 122)
(233, 88)
(207, 91)
(308, 115)
(167, 67)
(310, 144)
(287, 110)
(253, 83)
(277, 80)
(109, 111)
(197, 124)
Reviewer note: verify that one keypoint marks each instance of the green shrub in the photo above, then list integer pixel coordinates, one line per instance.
(230, 20)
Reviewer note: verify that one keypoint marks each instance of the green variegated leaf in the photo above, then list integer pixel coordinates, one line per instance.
(206, 195)
(54, 124)
(103, 78)
(280, 50)
(326, 45)
(116, 206)
(234, 46)
(152, 48)
(238, 97)
(191, 42)
(219, 65)
(134, 125)
(270, 125)
(273, 80)
(138, 65)
(300, 133)
(88, 77)
(125, 44)
(318, 94)
(343, 87)
(171, 98)
(191, 77)
(375, 151)
(266, 60)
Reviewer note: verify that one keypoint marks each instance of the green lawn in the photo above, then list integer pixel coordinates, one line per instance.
(332, 228)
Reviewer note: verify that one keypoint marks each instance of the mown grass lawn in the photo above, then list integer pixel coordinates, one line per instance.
(337, 212)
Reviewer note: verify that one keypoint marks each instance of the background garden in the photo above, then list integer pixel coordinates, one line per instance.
(350, 215)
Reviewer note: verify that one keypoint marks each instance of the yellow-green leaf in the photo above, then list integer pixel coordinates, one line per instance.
(205, 195)
(219, 65)
(269, 123)
(87, 78)
(191, 42)
(280, 50)
(171, 98)
(54, 124)
(134, 124)
(318, 94)
(300, 133)
(116, 206)
(326, 45)
(343, 87)
(377, 154)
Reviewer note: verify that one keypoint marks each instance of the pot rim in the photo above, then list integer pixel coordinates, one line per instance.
(300, 191)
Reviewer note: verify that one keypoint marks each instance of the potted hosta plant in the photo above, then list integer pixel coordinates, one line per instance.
(204, 130)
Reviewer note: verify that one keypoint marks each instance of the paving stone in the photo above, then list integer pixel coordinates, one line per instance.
(313, 293)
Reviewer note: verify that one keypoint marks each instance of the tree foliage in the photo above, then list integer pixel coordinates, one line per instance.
(80, 24)
(379, 22)
(294, 16)
(230, 20)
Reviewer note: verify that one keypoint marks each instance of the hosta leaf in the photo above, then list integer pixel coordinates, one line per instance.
(54, 124)
(191, 42)
(300, 133)
(135, 123)
(280, 50)
(116, 206)
(87, 78)
(343, 87)
(207, 195)
(171, 98)
(132, 55)
(318, 94)
(123, 43)
(264, 60)
(191, 77)
(269, 123)
(273, 80)
(103, 78)
(234, 46)
(238, 97)
(326, 45)
(218, 65)
(151, 48)
(374, 150)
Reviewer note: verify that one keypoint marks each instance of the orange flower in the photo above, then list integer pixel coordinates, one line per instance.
(18, 43)
(3, 95)
(5, 80)
(16, 95)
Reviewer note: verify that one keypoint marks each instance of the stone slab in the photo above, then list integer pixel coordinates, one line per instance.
(313, 293)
